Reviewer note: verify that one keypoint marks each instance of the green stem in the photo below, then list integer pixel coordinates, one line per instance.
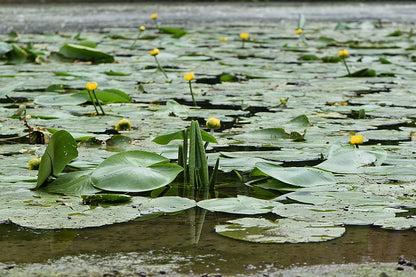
(192, 93)
(134, 42)
(346, 66)
(161, 68)
(93, 102)
(243, 43)
(98, 101)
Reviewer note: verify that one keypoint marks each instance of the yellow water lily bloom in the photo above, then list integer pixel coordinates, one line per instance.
(223, 39)
(33, 164)
(153, 16)
(213, 123)
(154, 52)
(189, 76)
(92, 86)
(142, 28)
(123, 125)
(343, 53)
(298, 31)
(356, 140)
(244, 36)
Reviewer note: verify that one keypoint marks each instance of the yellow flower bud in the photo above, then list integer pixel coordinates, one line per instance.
(153, 16)
(154, 52)
(92, 86)
(189, 76)
(356, 140)
(298, 31)
(283, 101)
(142, 28)
(213, 123)
(123, 125)
(244, 36)
(343, 53)
(33, 164)
(223, 39)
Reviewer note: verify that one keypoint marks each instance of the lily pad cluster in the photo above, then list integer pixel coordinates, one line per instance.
(287, 111)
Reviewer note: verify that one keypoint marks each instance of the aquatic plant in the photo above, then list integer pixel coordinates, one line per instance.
(91, 87)
(244, 37)
(141, 30)
(154, 52)
(343, 54)
(189, 77)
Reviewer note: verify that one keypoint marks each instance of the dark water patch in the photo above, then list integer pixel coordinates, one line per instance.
(396, 126)
(242, 148)
(206, 104)
(10, 99)
(385, 142)
(303, 163)
(372, 91)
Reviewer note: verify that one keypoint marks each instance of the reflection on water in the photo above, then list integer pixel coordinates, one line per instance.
(173, 233)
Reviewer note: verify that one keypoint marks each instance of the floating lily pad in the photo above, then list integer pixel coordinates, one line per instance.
(134, 171)
(85, 53)
(296, 176)
(240, 205)
(281, 231)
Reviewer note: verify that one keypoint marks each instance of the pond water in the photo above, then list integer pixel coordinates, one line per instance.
(165, 242)
(288, 108)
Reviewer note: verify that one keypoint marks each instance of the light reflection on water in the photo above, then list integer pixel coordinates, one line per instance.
(172, 233)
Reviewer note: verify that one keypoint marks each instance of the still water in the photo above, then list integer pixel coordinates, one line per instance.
(170, 234)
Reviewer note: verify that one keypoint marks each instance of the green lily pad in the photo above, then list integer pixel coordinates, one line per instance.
(134, 171)
(73, 183)
(61, 100)
(175, 32)
(351, 160)
(281, 231)
(240, 205)
(85, 53)
(296, 176)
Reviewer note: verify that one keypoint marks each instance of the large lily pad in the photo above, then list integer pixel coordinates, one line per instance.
(281, 231)
(296, 176)
(85, 53)
(134, 171)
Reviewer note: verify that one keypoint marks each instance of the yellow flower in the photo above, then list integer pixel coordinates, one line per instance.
(298, 31)
(154, 52)
(33, 164)
(244, 36)
(92, 86)
(123, 125)
(283, 101)
(213, 123)
(343, 53)
(189, 76)
(142, 28)
(223, 39)
(153, 16)
(356, 140)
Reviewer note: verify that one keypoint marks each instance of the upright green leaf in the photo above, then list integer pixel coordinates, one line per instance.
(62, 149)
